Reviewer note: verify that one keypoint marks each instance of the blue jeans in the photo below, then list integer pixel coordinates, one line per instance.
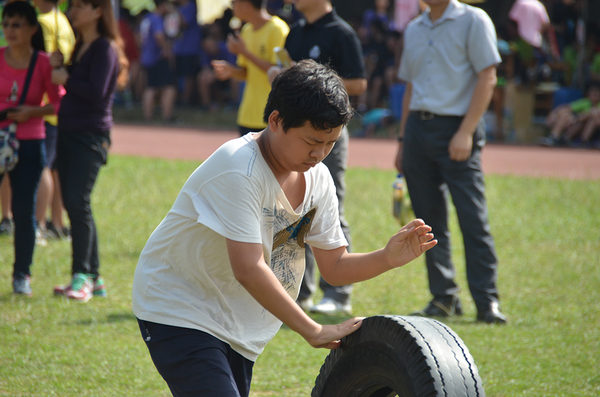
(79, 157)
(24, 181)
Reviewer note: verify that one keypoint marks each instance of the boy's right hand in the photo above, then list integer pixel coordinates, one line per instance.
(273, 72)
(223, 69)
(330, 336)
(56, 60)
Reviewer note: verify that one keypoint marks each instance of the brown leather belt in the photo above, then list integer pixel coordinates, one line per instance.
(425, 115)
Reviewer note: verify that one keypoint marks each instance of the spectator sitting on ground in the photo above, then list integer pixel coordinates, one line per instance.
(379, 59)
(380, 13)
(187, 49)
(212, 91)
(578, 118)
(157, 60)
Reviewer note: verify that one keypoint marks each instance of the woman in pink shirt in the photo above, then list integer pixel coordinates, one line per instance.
(19, 21)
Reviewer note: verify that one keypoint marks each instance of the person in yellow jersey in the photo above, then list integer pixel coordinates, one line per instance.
(254, 47)
(58, 36)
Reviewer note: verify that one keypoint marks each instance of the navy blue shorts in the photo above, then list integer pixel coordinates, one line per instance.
(187, 65)
(160, 75)
(50, 142)
(194, 363)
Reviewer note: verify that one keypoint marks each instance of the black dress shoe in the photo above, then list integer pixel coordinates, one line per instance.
(442, 308)
(492, 315)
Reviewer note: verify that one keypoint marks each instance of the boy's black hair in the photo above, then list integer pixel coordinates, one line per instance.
(592, 84)
(157, 3)
(20, 9)
(25, 10)
(310, 92)
(258, 4)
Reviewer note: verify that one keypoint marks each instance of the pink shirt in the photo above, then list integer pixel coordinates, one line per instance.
(404, 12)
(530, 16)
(11, 84)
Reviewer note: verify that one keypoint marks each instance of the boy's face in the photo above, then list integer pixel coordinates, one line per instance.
(307, 5)
(594, 95)
(241, 8)
(299, 149)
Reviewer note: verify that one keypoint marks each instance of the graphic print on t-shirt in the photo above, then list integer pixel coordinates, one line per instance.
(288, 250)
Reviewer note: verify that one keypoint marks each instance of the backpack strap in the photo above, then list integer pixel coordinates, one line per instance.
(28, 78)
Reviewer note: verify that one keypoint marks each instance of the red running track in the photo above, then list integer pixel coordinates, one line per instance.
(197, 144)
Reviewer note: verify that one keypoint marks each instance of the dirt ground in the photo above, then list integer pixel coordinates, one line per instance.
(197, 144)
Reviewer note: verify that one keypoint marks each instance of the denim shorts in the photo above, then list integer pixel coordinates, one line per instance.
(194, 363)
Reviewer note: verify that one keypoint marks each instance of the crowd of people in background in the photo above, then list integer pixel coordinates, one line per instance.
(536, 47)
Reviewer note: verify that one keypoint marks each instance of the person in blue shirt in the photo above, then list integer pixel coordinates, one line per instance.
(157, 59)
(187, 48)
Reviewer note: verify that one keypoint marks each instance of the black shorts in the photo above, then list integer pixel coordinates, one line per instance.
(187, 65)
(160, 74)
(194, 363)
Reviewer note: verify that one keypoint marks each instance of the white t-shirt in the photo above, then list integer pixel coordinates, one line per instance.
(184, 278)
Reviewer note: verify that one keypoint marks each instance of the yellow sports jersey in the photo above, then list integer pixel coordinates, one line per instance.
(57, 32)
(260, 42)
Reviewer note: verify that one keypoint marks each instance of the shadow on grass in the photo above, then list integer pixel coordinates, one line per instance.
(120, 317)
(110, 319)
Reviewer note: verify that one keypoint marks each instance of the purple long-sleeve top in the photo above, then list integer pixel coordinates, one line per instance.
(87, 105)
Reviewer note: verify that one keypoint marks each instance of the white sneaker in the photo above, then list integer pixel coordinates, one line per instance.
(331, 307)
(40, 237)
(81, 288)
(305, 304)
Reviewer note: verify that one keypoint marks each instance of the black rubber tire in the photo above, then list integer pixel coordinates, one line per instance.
(400, 356)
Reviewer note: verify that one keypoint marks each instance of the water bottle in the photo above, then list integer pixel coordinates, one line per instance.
(398, 197)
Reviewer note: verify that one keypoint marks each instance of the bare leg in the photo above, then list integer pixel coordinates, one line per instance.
(590, 127)
(44, 196)
(148, 102)
(564, 118)
(188, 90)
(375, 92)
(205, 79)
(167, 100)
(498, 103)
(57, 203)
(5, 197)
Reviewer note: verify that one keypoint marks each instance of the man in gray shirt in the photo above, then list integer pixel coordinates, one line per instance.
(449, 64)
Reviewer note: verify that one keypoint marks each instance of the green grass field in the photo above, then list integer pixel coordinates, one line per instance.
(548, 240)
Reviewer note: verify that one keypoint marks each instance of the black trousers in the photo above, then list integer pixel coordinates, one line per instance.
(24, 181)
(430, 176)
(79, 157)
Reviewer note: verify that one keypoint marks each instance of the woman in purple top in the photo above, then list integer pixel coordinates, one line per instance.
(97, 66)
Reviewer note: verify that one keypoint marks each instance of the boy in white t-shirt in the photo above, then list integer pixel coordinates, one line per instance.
(222, 271)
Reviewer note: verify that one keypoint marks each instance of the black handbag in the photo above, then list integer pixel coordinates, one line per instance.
(9, 144)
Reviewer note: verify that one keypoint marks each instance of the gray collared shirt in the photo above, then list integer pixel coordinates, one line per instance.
(442, 59)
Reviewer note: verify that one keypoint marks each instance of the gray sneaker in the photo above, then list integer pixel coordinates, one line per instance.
(6, 227)
(22, 286)
(331, 307)
(305, 304)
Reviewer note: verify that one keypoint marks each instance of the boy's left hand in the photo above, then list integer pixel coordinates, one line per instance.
(60, 76)
(235, 44)
(21, 114)
(409, 243)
